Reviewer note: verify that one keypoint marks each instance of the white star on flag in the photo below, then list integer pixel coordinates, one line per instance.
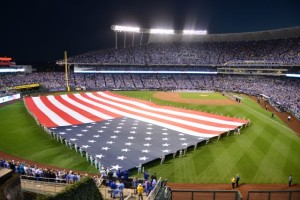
(180, 134)
(100, 131)
(130, 138)
(79, 135)
(148, 133)
(105, 148)
(73, 139)
(113, 136)
(53, 128)
(134, 127)
(121, 157)
(145, 151)
(165, 145)
(62, 133)
(166, 150)
(107, 123)
(135, 124)
(91, 141)
(128, 143)
(119, 127)
(143, 158)
(121, 123)
(75, 126)
(126, 150)
(116, 167)
(133, 132)
(96, 136)
(164, 129)
(149, 124)
(88, 126)
(147, 145)
(182, 138)
(103, 126)
(117, 131)
(110, 142)
(85, 146)
(84, 130)
(184, 144)
(149, 128)
(165, 138)
(165, 133)
(68, 129)
(148, 138)
(100, 156)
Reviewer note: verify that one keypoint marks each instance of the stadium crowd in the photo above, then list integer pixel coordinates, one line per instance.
(197, 53)
(39, 173)
(282, 91)
(178, 56)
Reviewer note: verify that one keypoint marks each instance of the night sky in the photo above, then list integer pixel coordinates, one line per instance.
(41, 30)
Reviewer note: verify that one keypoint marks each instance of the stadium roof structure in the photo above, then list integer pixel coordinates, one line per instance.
(284, 33)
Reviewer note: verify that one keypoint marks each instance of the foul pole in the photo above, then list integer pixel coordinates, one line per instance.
(66, 71)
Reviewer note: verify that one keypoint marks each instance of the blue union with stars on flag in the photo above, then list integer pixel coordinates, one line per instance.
(123, 143)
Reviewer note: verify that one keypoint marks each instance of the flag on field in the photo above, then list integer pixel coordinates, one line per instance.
(121, 132)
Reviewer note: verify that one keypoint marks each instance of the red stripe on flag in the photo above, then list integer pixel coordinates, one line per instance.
(78, 109)
(178, 109)
(190, 119)
(191, 128)
(68, 118)
(42, 118)
(114, 115)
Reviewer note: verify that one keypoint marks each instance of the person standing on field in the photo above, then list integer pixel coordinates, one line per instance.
(232, 182)
(290, 180)
(237, 179)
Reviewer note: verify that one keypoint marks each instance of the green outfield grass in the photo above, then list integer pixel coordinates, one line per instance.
(265, 152)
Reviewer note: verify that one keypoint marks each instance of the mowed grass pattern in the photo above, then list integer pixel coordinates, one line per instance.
(265, 152)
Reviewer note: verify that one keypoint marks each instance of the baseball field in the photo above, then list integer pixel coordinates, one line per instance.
(267, 151)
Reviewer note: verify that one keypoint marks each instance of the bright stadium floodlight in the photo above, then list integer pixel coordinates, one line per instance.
(126, 28)
(193, 32)
(161, 31)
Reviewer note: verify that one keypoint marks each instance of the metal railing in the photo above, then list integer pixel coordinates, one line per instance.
(273, 194)
(206, 194)
(42, 185)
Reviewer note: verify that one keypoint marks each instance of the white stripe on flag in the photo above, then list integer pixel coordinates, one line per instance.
(71, 112)
(52, 115)
(177, 120)
(169, 126)
(86, 108)
(144, 106)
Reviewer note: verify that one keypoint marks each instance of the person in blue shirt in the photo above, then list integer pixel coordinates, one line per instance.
(113, 187)
(125, 175)
(121, 188)
(134, 185)
(146, 175)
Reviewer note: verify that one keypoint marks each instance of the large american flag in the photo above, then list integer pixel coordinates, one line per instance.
(121, 132)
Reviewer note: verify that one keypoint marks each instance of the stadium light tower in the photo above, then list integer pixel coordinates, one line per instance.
(194, 32)
(124, 29)
(161, 31)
